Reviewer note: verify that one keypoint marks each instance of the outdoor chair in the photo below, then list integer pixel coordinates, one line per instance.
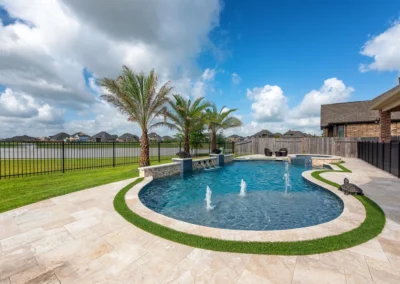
(267, 152)
(283, 152)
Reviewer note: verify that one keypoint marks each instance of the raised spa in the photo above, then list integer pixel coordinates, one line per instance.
(272, 196)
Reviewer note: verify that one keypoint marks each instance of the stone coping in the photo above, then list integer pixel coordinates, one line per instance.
(158, 166)
(352, 216)
(260, 158)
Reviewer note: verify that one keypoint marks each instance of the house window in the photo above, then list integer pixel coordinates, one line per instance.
(341, 130)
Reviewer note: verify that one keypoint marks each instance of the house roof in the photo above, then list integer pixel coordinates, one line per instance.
(295, 133)
(80, 134)
(23, 138)
(103, 135)
(60, 136)
(153, 134)
(351, 112)
(128, 136)
(389, 100)
(235, 136)
(262, 133)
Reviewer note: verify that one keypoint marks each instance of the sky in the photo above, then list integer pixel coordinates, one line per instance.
(275, 61)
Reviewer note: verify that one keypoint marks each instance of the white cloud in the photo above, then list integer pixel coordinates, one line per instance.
(22, 111)
(15, 104)
(208, 74)
(269, 103)
(236, 79)
(384, 49)
(270, 108)
(332, 91)
(46, 59)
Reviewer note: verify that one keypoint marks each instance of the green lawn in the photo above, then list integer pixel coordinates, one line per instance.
(370, 228)
(17, 192)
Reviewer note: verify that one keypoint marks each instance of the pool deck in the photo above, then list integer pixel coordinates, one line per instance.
(79, 238)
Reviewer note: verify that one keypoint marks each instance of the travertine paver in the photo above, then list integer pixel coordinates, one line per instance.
(79, 238)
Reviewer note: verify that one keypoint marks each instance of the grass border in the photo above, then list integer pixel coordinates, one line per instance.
(370, 228)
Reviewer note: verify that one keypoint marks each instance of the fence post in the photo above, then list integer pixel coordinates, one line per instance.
(159, 159)
(113, 143)
(63, 157)
(180, 146)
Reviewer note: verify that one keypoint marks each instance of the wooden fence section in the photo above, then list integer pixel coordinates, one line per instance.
(345, 147)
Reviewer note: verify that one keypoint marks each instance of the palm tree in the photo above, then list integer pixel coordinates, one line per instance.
(220, 120)
(136, 95)
(184, 116)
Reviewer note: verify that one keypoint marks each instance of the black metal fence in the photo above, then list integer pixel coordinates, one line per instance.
(385, 156)
(30, 158)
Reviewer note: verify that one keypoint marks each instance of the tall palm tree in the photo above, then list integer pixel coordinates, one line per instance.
(184, 116)
(136, 95)
(220, 120)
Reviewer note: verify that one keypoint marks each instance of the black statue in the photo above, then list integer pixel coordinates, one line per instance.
(216, 151)
(183, 155)
(349, 188)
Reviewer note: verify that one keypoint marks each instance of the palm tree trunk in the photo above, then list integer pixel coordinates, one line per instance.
(213, 140)
(144, 160)
(186, 148)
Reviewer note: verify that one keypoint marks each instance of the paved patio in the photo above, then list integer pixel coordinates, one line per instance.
(79, 238)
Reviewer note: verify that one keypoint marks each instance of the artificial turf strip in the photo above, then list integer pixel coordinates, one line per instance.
(370, 228)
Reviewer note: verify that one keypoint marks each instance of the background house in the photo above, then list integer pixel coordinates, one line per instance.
(59, 136)
(263, 133)
(235, 138)
(23, 138)
(167, 138)
(103, 137)
(295, 134)
(154, 137)
(128, 137)
(354, 119)
(79, 137)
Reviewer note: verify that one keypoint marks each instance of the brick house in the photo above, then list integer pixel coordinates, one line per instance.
(358, 119)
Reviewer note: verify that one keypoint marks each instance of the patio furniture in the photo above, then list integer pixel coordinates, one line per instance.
(277, 154)
(267, 152)
(283, 152)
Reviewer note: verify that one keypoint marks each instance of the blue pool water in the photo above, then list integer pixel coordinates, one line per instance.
(265, 206)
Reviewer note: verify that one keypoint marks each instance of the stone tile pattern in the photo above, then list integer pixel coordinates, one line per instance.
(319, 162)
(59, 241)
(160, 170)
(229, 158)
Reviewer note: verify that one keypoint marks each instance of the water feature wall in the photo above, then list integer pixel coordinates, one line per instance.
(316, 161)
(182, 165)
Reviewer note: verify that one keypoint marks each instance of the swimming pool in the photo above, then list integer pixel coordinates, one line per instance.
(269, 203)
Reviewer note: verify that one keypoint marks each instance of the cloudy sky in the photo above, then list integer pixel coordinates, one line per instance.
(277, 63)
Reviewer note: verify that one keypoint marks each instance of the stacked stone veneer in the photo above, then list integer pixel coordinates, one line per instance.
(177, 168)
(229, 158)
(319, 162)
(160, 170)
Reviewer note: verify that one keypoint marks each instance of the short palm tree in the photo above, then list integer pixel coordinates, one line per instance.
(137, 96)
(184, 116)
(220, 120)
